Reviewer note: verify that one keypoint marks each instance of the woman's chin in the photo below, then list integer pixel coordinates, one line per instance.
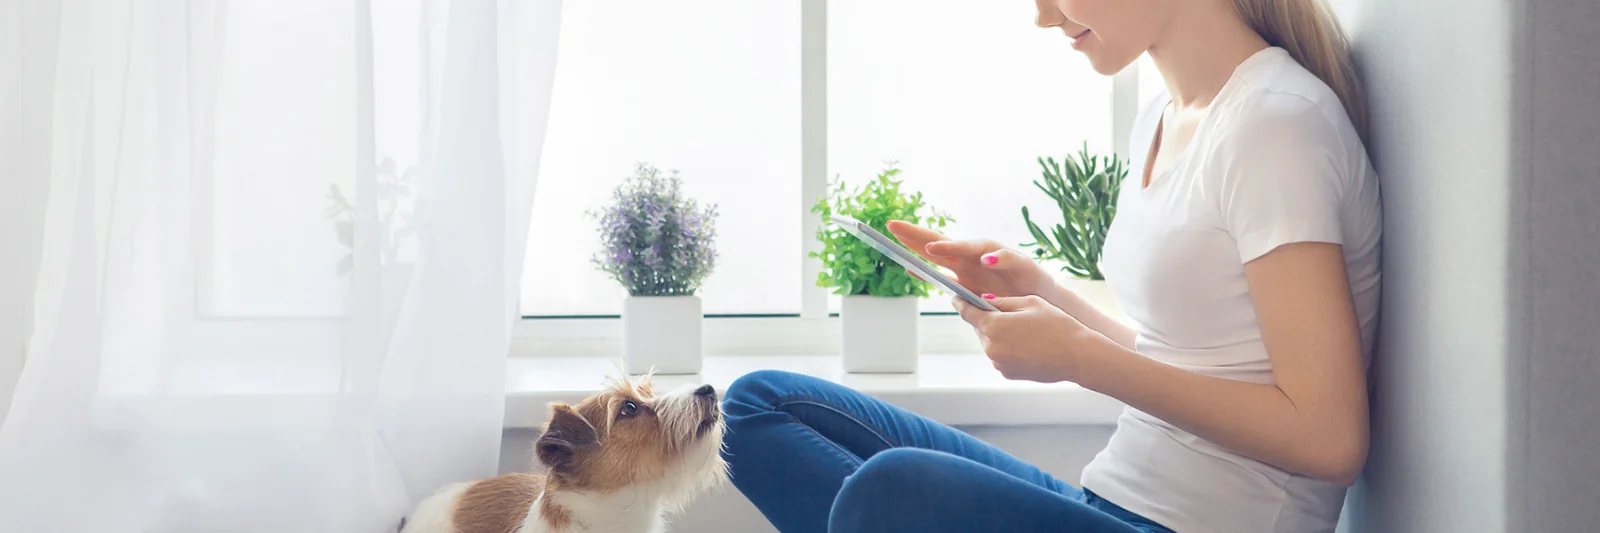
(1106, 65)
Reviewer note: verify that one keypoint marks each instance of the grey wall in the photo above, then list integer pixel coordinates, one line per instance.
(1554, 461)
(1489, 152)
(1060, 450)
(1439, 82)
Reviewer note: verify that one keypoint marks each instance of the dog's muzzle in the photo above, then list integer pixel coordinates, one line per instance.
(705, 398)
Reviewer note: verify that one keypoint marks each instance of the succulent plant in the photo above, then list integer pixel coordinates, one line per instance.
(1085, 187)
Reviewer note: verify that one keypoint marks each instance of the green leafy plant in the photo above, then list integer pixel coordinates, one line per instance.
(1085, 188)
(852, 267)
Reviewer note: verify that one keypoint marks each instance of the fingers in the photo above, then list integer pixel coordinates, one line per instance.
(1004, 258)
(962, 249)
(934, 247)
(912, 235)
(973, 315)
(1019, 303)
(917, 238)
(988, 253)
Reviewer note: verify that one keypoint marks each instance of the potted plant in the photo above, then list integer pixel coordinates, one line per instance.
(1085, 187)
(660, 246)
(878, 319)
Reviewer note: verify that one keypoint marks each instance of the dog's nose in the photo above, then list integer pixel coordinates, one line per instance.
(706, 390)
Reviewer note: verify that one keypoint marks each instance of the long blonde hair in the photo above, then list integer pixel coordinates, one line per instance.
(1311, 34)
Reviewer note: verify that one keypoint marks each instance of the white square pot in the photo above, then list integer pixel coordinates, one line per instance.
(1094, 291)
(879, 335)
(661, 333)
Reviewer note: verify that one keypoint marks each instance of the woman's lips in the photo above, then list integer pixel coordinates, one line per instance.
(1078, 41)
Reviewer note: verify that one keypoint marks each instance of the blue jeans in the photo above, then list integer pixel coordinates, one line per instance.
(815, 456)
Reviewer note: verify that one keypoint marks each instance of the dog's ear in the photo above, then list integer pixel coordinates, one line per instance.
(566, 433)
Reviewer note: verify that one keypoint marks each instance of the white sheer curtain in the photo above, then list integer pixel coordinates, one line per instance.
(262, 255)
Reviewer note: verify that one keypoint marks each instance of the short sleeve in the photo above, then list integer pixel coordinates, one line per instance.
(1283, 178)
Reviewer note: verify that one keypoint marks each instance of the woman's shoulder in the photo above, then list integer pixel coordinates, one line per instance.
(1277, 96)
(1280, 124)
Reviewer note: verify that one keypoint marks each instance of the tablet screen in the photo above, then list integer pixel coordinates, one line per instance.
(899, 254)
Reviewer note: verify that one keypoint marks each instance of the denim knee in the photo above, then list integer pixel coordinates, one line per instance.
(895, 469)
(760, 389)
(888, 486)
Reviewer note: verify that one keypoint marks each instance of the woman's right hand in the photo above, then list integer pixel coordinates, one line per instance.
(982, 266)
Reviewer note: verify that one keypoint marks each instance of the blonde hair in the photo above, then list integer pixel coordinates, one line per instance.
(1311, 34)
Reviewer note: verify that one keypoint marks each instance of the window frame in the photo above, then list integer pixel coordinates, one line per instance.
(814, 330)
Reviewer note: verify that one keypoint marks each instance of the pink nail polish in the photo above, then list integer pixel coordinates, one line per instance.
(991, 259)
(988, 296)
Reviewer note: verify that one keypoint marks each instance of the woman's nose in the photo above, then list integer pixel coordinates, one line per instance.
(1049, 16)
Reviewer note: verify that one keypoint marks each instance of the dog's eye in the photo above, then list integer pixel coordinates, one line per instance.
(628, 409)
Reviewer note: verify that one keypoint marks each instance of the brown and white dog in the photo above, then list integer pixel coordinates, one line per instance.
(618, 462)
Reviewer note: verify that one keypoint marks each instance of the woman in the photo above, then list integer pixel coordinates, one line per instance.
(1246, 251)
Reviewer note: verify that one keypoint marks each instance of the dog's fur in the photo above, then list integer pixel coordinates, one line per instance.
(607, 471)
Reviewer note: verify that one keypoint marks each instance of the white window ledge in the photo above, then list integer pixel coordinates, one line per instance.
(565, 360)
(956, 389)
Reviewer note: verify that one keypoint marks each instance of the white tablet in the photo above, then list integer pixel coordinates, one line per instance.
(907, 259)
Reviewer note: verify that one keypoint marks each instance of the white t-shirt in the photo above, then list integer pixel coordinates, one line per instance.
(1274, 161)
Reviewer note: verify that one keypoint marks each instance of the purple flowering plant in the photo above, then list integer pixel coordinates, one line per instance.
(654, 241)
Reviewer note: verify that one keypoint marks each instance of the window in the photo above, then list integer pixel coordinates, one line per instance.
(287, 269)
(275, 240)
(708, 87)
(963, 95)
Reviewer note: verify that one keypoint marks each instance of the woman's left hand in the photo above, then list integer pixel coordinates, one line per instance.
(1030, 339)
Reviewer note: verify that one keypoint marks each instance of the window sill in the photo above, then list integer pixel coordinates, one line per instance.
(739, 336)
(566, 360)
(955, 389)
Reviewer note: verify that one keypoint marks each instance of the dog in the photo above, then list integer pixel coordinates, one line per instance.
(620, 461)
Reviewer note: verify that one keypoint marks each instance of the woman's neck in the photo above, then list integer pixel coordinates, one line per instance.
(1199, 52)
